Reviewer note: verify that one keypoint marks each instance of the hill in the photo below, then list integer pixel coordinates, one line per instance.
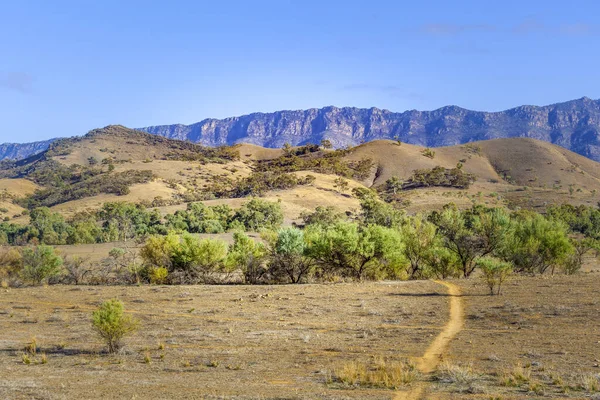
(119, 164)
(574, 125)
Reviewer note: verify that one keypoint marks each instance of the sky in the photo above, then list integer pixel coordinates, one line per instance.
(67, 67)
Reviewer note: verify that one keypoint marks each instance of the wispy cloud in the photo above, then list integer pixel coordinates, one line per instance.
(529, 25)
(17, 81)
(445, 29)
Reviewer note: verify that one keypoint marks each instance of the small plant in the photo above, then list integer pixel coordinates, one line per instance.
(32, 347)
(495, 272)
(161, 346)
(589, 383)
(147, 358)
(427, 152)
(158, 275)
(111, 324)
(455, 373)
(26, 359)
(213, 364)
(44, 358)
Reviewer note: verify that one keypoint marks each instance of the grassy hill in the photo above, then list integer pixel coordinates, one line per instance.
(119, 164)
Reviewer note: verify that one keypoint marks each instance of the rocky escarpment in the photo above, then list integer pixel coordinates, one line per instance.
(574, 125)
(18, 151)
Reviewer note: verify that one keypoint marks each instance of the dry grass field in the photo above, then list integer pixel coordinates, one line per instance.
(214, 341)
(540, 339)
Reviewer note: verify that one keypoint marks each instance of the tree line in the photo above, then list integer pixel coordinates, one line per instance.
(378, 242)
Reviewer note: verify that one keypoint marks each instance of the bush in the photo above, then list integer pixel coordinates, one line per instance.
(112, 325)
(40, 264)
(288, 260)
(248, 256)
(495, 272)
(258, 214)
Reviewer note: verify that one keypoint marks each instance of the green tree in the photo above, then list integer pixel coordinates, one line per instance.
(472, 234)
(288, 260)
(419, 238)
(327, 215)
(341, 184)
(394, 184)
(112, 324)
(359, 252)
(538, 244)
(248, 256)
(40, 264)
(257, 214)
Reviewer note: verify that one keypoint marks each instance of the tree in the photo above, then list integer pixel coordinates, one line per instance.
(248, 256)
(495, 272)
(354, 251)
(287, 149)
(198, 260)
(442, 263)
(288, 259)
(327, 215)
(419, 237)
(326, 144)
(472, 234)
(538, 244)
(341, 184)
(394, 184)
(112, 325)
(257, 214)
(40, 264)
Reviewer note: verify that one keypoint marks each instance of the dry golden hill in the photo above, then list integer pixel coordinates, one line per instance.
(518, 172)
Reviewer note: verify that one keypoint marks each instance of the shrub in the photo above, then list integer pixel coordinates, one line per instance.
(258, 214)
(379, 373)
(40, 264)
(112, 325)
(288, 260)
(248, 256)
(495, 272)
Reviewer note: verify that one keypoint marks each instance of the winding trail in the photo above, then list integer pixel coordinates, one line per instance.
(432, 356)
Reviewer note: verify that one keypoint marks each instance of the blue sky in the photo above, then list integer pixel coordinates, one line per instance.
(70, 66)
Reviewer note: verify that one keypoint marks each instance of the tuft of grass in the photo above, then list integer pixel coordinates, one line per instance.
(456, 373)
(161, 346)
(517, 377)
(44, 358)
(32, 346)
(589, 383)
(213, 364)
(147, 358)
(25, 358)
(378, 373)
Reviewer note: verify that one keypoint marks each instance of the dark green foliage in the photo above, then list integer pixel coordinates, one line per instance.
(439, 176)
(331, 162)
(259, 214)
(322, 216)
(87, 183)
(582, 219)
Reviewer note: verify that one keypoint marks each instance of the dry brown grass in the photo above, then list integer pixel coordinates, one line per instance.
(377, 373)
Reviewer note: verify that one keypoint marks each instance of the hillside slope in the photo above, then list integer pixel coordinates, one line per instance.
(120, 164)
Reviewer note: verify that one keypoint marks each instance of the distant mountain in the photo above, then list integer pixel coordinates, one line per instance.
(574, 125)
(18, 151)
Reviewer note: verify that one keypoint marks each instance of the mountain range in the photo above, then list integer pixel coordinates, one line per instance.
(574, 125)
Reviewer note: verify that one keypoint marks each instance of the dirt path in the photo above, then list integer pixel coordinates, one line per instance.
(432, 356)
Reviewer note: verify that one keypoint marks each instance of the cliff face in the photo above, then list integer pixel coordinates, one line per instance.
(18, 151)
(574, 125)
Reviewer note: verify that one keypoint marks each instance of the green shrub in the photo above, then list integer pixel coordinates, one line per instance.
(495, 272)
(112, 325)
(40, 264)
